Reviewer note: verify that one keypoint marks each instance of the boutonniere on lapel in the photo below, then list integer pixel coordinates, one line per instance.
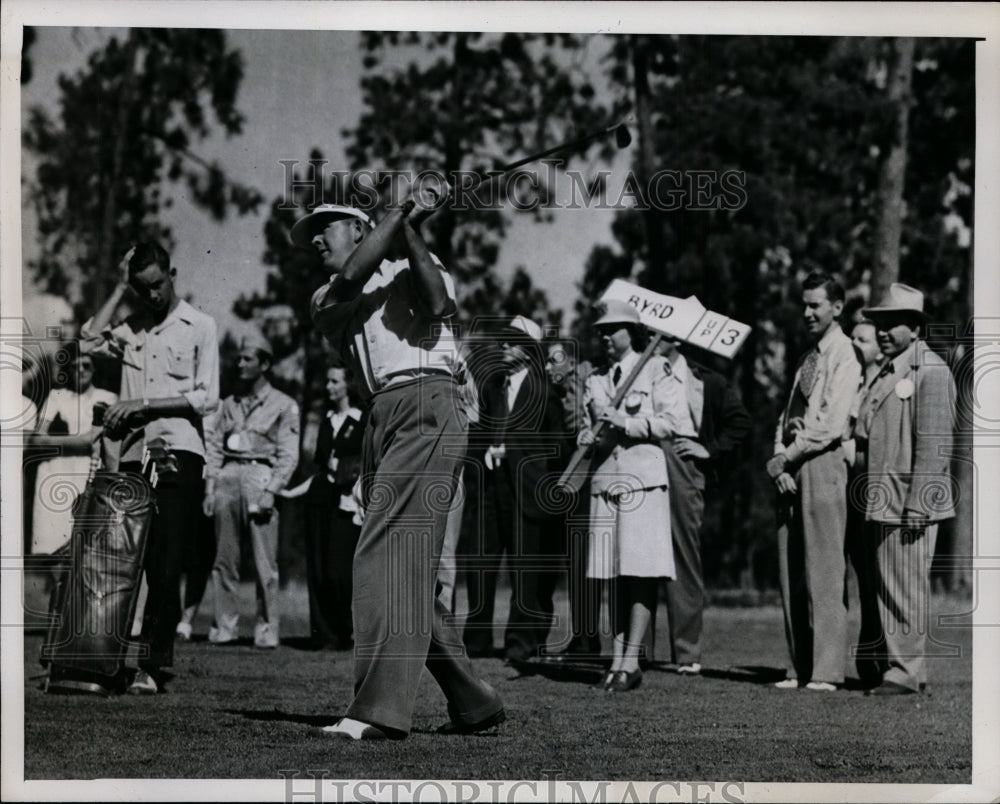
(904, 388)
(633, 402)
(349, 429)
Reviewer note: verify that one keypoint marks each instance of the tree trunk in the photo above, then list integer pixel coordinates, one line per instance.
(960, 546)
(655, 261)
(956, 554)
(964, 542)
(892, 172)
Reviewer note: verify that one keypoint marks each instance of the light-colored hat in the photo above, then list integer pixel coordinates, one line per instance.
(618, 312)
(257, 342)
(306, 227)
(900, 299)
(524, 327)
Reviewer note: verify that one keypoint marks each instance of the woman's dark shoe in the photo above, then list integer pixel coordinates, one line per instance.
(624, 681)
(605, 683)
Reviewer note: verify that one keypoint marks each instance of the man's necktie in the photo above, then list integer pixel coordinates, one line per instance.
(807, 373)
(617, 376)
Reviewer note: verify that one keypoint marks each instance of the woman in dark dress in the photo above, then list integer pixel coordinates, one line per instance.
(333, 522)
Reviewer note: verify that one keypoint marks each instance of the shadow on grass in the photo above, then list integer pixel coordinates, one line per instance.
(755, 674)
(276, 715)
(486, 735)
(748, 674)
(306, 643)
(300, 643)
(318, 721)
(592, 672)
(571, 672)
(239, 642)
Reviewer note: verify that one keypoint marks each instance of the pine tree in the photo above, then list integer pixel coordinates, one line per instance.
(126, 129)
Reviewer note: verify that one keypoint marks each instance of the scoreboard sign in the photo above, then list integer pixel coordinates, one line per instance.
(684, 319)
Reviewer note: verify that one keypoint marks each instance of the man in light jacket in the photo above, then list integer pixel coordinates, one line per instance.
(904, 438)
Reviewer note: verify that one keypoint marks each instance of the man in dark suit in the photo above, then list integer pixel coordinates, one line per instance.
(568, 378)
(525, 421)
(722, 423)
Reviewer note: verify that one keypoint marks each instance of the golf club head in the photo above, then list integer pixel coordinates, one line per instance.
(623, 137)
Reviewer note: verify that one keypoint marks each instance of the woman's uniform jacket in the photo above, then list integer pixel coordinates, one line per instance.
(656, 408)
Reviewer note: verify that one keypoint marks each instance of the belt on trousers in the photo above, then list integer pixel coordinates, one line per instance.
(404, 379)
(250, 461)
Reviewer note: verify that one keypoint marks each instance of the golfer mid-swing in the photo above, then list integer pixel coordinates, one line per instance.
(391, 319)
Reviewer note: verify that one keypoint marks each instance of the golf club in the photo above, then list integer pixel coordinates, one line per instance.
(620, 131)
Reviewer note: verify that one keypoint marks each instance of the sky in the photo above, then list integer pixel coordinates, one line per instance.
(299, 90)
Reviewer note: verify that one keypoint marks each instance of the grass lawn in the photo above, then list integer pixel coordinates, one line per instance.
(235, 712)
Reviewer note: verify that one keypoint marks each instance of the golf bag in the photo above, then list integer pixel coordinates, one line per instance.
(95, 597)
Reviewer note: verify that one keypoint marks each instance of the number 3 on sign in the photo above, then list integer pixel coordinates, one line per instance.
(732, 335)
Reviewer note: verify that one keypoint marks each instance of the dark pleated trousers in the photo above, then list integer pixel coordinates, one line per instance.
(686, 592)
(868, 645)
(535, 554)
(414, 438)
(331, 539)
(178, 511)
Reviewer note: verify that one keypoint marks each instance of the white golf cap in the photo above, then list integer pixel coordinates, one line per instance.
(523, 327)
(306, 227)
(617, 312)
(257, 342)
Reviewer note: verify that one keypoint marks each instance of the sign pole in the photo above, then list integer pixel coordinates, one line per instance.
(578, 470)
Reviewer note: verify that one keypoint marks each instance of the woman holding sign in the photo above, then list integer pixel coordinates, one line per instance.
(630, 509)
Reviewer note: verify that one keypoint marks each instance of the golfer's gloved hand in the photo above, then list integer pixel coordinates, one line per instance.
(430, 193)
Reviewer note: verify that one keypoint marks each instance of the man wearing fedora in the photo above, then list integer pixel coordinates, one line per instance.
(903, 435)
(809, 470)
(390, 318)
(252, 443)
(527, 438)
